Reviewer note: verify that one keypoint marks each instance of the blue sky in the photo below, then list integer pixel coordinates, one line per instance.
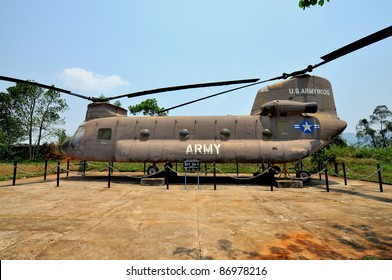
(116, 47)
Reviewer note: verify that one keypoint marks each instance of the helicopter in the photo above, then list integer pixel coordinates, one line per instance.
(289, 120)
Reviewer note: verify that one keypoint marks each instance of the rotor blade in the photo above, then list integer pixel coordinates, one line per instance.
(140, 93)
(175, 88)
(365, 41)
(219, 93)
(14, 80)
(210, 96)
(354, 46)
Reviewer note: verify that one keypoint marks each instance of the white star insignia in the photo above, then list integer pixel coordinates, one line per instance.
(307, 127)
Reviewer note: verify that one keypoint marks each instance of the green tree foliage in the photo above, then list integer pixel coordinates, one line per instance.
(102, 96)
(147, 107)
(328, 154)
(60, 135)
(116, 103)
(377, 130)
(11, 129)
(36, 111)
(308, 3)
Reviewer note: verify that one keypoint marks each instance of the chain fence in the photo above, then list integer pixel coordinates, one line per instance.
(83, 168)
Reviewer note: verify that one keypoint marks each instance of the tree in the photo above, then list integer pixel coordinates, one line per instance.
(147, 107)
(328, 154)
(61, 136)
(378, 129)
(11, 130)
(307, 3)
(365, 133)
(117, 103)
(37, 111)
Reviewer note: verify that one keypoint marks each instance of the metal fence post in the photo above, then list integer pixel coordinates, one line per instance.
(344, 174)
(14, 177)
(58, 173)
(67, 168)
(326, 178)
(109, 174)
(45, 169)
(167, 176)
(214, 176)
(379, 177)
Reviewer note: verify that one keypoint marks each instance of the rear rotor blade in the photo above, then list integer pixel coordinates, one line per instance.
(365, 41)
(361, 43)
(354, 46)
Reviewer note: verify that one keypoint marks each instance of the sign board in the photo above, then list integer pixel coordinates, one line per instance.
(191, 165)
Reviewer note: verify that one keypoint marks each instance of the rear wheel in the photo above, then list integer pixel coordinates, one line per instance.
(303, 175)
(152, 170)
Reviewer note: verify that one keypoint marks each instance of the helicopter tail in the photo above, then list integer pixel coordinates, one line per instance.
(300, 94)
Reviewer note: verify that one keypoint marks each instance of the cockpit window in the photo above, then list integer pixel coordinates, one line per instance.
(76, 139)
(104, 134)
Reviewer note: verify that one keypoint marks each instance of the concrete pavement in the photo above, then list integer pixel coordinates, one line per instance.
(83, 219)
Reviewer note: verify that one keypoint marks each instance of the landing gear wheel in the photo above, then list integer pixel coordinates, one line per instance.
(152, 170)
(303, 175)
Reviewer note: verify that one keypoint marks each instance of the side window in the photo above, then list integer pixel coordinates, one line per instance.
(104, 134)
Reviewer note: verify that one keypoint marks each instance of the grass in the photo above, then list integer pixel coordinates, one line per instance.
(371, 258)
(28, 169)
(360, 164)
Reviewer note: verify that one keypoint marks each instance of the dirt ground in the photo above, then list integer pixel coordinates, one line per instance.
(84, 219)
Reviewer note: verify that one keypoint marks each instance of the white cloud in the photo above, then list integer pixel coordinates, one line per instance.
(88, 81)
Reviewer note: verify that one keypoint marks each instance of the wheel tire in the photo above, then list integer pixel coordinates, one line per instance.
(152, 170)
(303, 175)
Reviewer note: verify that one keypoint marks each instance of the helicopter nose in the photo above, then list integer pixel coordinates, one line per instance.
(65, 145)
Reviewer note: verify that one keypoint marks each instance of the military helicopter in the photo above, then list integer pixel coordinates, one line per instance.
(289, 120)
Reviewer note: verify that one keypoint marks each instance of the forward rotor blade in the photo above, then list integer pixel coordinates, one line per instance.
(175, 88)
(14, 80)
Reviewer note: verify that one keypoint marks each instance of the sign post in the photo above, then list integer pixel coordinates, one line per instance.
(192, 165)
